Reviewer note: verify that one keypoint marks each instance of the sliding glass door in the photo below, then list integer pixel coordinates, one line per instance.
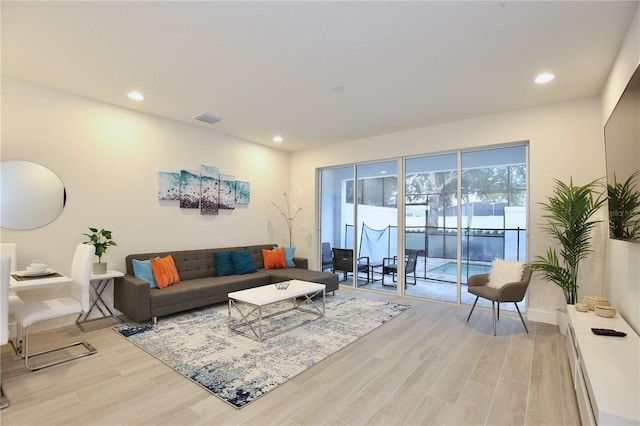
(358, 221)
(431, 228)
(494, 196)
(460, 211)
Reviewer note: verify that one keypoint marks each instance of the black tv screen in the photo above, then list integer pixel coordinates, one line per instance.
(622, 147)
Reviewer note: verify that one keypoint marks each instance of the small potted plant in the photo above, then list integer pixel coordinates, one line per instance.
(101, 240)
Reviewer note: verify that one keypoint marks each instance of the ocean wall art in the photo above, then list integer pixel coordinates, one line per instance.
(168, 186)
(210, 184)
(206, 189)
(243, 192)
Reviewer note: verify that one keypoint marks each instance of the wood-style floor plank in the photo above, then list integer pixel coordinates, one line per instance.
(426, 366)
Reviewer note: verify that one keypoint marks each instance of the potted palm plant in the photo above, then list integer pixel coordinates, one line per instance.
(569, 221)
(624, 208)
(101, 240)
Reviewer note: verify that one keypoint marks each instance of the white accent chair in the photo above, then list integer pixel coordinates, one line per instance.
(5, 277)
(9, 249)
(75, 304)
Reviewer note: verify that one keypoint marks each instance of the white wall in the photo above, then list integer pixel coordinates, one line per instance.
(622, 279)
(108, 158)
(559, 136)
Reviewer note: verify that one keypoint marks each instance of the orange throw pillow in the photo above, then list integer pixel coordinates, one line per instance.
(164, 271)
(274, 259)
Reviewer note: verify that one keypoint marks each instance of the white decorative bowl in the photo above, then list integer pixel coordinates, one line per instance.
(282, 286)
(37, 268)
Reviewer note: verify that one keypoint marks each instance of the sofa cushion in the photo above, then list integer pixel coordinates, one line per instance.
(142, 270)
(224, 265)
(243, 263)
(289, 252)
(202, 291)
(164, 271)
(274, 259)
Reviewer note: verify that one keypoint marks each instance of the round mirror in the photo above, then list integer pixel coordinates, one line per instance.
(32, 195)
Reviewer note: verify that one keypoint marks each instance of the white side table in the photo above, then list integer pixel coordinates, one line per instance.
(99, 283)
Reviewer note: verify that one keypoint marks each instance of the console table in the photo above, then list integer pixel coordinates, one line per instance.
(99, 283)
(605, 369)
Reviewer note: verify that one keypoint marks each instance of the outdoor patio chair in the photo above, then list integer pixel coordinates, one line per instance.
(343, 261)
(327, 257)
(505, 292)
(390, 267)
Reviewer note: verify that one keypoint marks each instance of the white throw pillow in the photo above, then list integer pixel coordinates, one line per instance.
(504, 272)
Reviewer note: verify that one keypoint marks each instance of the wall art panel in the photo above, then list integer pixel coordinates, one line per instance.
(243, 192)
(210, 186)
(227, 192)
(168, 186)
(189, 189)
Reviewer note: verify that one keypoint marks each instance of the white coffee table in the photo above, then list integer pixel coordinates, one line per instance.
(251, 302)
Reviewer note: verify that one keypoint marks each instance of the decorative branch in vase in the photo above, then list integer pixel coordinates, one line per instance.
(287, 216)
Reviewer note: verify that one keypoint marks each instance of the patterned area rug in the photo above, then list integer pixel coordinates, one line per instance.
(237, 369)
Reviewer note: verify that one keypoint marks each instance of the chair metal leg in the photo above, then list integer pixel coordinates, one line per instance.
(90, 350)
(4, 402)
(498, 311)
(472, 308)
(521, 319)
(493, 310)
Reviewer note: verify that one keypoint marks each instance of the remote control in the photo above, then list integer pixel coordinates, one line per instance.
(608, 332)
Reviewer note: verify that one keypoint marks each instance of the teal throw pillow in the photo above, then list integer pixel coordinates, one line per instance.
(288, 256)
(242, 262)
(142, 270)
(224, 265)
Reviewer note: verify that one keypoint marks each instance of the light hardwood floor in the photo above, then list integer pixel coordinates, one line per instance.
(426, 366)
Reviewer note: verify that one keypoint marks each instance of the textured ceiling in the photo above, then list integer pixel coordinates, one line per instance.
(316, 72)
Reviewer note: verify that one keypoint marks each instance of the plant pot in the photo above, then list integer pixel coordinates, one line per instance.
(100, 268)
(563, 320)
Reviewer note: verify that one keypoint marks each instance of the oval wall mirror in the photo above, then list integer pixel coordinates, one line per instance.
(32, 195)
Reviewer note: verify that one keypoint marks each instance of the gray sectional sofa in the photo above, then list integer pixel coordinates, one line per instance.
(199, 284)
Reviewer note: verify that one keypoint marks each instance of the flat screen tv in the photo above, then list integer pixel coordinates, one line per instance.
(622, 147)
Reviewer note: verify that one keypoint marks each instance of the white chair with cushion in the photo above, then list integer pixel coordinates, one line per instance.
(5, 277)
(44, 310)
(9, 249)
(506, 282)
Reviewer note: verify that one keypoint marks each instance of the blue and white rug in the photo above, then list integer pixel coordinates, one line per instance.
(239, 370)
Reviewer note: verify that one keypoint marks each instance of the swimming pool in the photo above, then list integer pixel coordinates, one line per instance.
(451, 269)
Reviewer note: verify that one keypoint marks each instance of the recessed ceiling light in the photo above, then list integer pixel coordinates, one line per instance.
(136, 96)
(544, 78)
(277, 139)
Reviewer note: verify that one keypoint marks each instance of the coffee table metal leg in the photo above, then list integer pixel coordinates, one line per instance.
(260, 324)
(245, 320)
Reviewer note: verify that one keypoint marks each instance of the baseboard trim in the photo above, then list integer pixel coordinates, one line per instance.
(547, 317)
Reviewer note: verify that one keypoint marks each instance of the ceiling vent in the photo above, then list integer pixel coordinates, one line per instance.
(205, 117)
